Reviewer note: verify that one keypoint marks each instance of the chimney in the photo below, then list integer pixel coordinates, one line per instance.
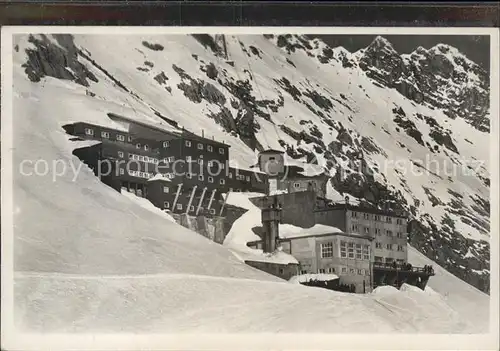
(202, 133)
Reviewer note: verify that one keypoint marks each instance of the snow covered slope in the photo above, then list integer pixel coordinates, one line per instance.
(87, 258)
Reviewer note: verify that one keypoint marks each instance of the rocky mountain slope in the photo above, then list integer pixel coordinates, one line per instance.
(406, 131)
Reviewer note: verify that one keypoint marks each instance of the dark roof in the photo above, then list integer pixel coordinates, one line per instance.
(373, 210)
(271, 151)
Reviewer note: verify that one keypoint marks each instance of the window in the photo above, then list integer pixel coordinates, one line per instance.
(388, 232)
(201, 177)
(122, 171)
(326, 250)
(360, 271)
(296, 185)
(400, 248)
(221, 151)
(166, 144)
(166, 204)
(191, 208)
(166, 189)
(389, 246)
(210, 148)
(344, 270)
(212, 211)
(303, 272)
(378, 245)
(331, 270)
(171, 159)
(141, 158)
(366, 252)
(376, 217)
(105, 134)
(354, 227)
(366, 216)
(350, 250)
(188, 158)
(210, 179)
(179, 206)
(247, 178)
(130, 156)
(388, 219)
(89, 131)
(399, 221)
(188, 143)
(367, 230)
(282, 271)
(377, 231)
(138, 146)
(120, 137)
(120, 154)
(129, 138)
(388, 260)
(200, 146)
(358, 252)
(146, 147)
(230, 175)
(378, 259)
(343, 249)
(189, 175)
(354, 214)
(352, 271)
(399, 235)
(222, 181)
(321, 270)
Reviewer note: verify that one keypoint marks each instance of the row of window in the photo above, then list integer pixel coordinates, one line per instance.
(199, 146)
(139, 158)
(377, 231)
(166, 206)
(202, 178)
(166, 144)
(388, 260)
(139, 174)
(389, 246)
(388, 219)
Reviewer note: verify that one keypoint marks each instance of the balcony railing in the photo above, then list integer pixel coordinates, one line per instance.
(406, 267)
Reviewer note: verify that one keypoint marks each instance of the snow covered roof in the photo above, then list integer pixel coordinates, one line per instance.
(288, 231)
(303, 278)
(257, 255)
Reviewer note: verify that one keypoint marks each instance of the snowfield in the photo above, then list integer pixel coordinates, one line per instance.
(89, 259)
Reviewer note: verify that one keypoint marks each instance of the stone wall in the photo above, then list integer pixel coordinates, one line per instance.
(283, 271)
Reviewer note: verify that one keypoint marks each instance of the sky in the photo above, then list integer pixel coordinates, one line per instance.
(475, 47)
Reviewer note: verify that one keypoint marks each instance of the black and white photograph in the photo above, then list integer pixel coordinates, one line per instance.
(269, 181)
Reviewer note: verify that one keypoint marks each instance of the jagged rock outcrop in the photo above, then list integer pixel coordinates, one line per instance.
(441, 77)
